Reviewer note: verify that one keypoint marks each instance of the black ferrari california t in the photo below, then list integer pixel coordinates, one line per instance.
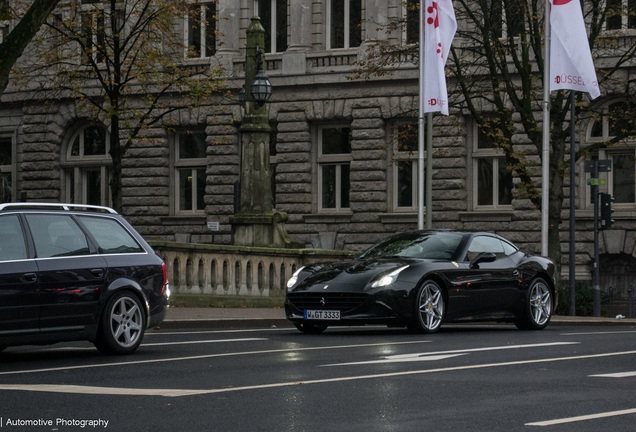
(423, 279)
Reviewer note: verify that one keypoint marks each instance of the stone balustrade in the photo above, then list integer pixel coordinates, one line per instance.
(234, 270)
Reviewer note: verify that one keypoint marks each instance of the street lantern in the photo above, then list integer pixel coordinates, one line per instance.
(261, 88)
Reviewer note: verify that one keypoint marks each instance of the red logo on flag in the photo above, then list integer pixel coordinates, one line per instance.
(434, 19)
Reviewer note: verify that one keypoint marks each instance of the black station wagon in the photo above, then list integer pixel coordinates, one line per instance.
(77, 272)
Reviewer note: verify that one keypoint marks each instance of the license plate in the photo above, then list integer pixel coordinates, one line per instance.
(332, 315)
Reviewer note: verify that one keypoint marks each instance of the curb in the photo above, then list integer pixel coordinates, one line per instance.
(258, 322)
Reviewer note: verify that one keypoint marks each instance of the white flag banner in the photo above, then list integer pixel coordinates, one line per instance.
(571, 64)
(439, 29)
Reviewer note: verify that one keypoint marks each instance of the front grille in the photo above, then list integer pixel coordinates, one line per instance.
(344, 302)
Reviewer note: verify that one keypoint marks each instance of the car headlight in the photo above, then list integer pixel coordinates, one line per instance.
(387, 279)
(292, 280)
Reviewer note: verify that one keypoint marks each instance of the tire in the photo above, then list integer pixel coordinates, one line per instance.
(429, 308)
(309, 328)
(122, 325)
(537, 306)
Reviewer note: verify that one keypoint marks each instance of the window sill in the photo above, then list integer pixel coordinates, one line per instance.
(184, 220)
(328, 218)
(489, 215)
(398, 217)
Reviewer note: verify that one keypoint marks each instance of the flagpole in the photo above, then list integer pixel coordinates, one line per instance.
(545, 160)
(572, 269)
(436, 37)
(420, 173)
(429, 171)
(420, 143)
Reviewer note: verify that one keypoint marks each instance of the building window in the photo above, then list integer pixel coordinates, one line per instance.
(623, 184)
(492, 178)
(334, 160)
(4, 31)
(200, 30)
(5, 16)
(344, 23)
(94, 33)
(7, 152)
(405, 166)
(273, 14)
(621, 180)
(87, 167)
(190, 164)
(412, 21)
(620, 14)
(505, 19)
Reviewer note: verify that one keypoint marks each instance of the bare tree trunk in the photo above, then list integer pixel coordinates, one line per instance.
(17, 41)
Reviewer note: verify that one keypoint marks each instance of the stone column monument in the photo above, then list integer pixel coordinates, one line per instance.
(256, 223)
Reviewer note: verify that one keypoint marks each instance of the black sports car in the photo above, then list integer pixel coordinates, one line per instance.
(425, 278)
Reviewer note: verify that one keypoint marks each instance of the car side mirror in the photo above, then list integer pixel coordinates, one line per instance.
(483, 257)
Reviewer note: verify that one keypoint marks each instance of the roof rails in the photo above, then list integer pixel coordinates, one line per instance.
(55, 206)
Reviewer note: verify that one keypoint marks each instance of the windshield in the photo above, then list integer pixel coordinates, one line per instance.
(432, 245)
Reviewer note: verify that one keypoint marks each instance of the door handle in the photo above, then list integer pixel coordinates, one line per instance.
(30, 277)
(98, 273)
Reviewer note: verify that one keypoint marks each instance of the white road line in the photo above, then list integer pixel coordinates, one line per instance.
(190, 392)
(616, 375)
(447, 354)
(598, 333)
(207, 356)
(204, 341)
(91, 390)
(583, 418)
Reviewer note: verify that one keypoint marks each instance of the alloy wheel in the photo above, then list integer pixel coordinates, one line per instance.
(540, 303)
(431, 307)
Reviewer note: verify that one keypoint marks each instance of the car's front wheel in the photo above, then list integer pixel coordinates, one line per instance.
(537, 307)
(430, 308)
(122, 325)
(310, 328)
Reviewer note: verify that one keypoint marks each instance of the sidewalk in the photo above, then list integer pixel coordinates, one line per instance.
(228, 318)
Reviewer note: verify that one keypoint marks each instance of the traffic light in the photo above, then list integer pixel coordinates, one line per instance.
(606, 210)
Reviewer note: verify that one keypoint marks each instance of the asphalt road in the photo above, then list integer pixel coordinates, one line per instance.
(465, 378)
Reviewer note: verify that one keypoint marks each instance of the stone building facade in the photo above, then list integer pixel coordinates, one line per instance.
(342, 153)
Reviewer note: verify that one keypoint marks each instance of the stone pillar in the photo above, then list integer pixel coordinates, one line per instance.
(229, 32)
(229, 26)
(376, 21)
(256, 224)
(295, 59)
(300, 19)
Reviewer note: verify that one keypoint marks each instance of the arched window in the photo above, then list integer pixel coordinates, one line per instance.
(86, 166)
(621, 179)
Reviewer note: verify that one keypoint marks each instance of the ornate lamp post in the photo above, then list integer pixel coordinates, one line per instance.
(256, 223)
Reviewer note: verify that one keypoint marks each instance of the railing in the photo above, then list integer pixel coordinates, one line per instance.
(233, 270)
(318, 62)
(315, 63)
